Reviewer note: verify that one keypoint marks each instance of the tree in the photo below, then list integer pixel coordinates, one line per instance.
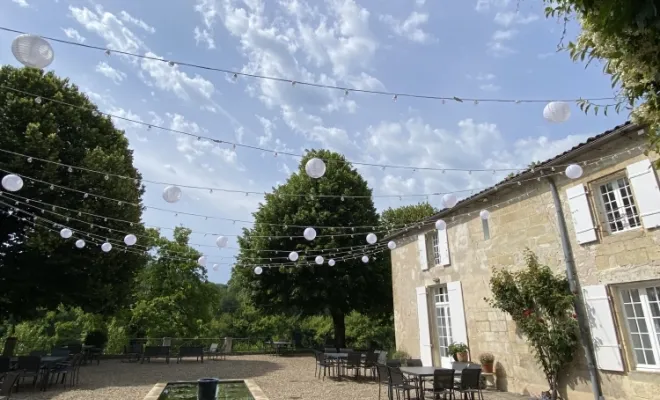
(312, 290)
(396, 217)
(38, 268)
(541, 305)
(625, 36)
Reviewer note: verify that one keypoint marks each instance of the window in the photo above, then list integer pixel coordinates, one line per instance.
(484, 225)
(619, 205)
(641, 308)
(442, 319)
(434, 246)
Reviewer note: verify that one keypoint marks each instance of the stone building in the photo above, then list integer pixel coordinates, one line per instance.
(612, 212)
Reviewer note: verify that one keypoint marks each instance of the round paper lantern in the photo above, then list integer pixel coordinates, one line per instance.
(315, 168)
(221, 241)
(365, 259)
(66, 233)
(319, 260)
(449, 200)
(557, 111)
(201, 261)
(12, 183)
(573, 171)
(440, 225)
(106, 247)
(130, 239)
(309, 233)
(172, 194)
(293, 256)
(215, 267)
(484, 214)
(258, 270)
(372, 238)
(391, 245)
(331, 262)
(80, 243)
(32, 51)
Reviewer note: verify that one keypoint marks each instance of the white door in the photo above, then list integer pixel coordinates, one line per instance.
(443, 324)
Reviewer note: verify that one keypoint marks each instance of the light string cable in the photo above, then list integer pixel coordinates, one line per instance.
(330, 251)
(247, 146)
(352, 228)
(98, 239)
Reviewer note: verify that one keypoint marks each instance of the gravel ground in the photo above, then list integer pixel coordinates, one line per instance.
(281, 378)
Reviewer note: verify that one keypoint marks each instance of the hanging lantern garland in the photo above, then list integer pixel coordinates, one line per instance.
(557, 111)
(319, 260)
(201, 261)
(315, 168)
(391, 245)
(130, 239)
(484, 214)
(258, 270)
(293, 256)
(106, 247)
(309, 233)
(12, 183)
(331, 262)
(222, 241)
(80, 243)
(449, 200)
(32, 51)
(372, 238)
(172, 194)
(574, 171)
(440, 225)
(365, 259)
(66, 233)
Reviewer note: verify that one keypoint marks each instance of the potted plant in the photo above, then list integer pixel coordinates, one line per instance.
(401, 356)
(459, 351)
(487, 360)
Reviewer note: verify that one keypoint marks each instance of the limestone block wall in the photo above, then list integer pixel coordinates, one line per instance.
(529, 222)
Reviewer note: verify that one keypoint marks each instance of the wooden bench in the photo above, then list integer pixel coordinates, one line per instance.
(156, 352)
(190, 351)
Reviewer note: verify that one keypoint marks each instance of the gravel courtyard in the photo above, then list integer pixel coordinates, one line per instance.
(281, 378)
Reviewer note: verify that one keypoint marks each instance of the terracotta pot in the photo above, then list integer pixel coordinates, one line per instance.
(462, 356)
(488, 368)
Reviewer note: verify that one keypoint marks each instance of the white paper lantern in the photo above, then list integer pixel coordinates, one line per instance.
(484, 214)
(106, 247)
(221, 241)
(365, 259)
(315, 168)
(66, 233)
(293, 256)
(440, 225)
(309, 233)
(215, 267)
(391, 245)
(331, 262)
(319, 260)
(258, 270)
(172, 194)
(130, 239)
(32, 51)
(80, 243)
(201, 261)
(449, 200)
(372, 238)
(12, 183)
(557, 111)
(574, 171)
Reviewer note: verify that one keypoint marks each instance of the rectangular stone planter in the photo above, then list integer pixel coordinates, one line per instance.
(254, 389)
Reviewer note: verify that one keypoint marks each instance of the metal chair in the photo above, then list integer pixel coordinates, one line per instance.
(414, 362)
(400, 384)
(443, 383)
(322, 362)
(470, 383)
(10, 381)
(353, 362)
(384, 377)
(30, 367)
(10, 345)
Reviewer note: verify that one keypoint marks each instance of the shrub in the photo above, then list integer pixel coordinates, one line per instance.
(97, 339)
(486, 358)
(456, 348)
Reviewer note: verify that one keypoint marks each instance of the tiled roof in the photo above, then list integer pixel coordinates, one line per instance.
(609, 134)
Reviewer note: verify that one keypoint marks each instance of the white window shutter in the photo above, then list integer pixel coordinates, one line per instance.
(443, 247)
(647, 194)
(581, 215)
(424, 331)
(601, 324)
(457, 313)
(421, 248)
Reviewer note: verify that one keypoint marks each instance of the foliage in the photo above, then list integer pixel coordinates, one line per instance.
(625, 35)
(401, 356)
(312, 290)
(40, 269)
(486, 358)
(96, 338)
(541, 305)
(456, 348)
(393, 217)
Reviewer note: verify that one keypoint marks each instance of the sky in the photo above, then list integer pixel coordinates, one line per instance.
(464, 48)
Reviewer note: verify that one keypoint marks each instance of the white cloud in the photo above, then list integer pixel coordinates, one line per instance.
(420, 3)
(268, 127)
(497, 47)
(172, 79)
(22, 3)
(115, 75)
(73, 34)
(485, 77)
(485, 5)
(109, 27)
(504, 35)
(126, 17)
(489, 87)
(410, 28)
(204, 35)
(508, 18)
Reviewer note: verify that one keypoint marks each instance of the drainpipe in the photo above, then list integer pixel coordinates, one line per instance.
(585, 334)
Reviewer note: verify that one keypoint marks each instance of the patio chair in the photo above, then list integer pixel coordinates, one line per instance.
(393, 363)
(60, 352)
(156, 352)
(322, 363)
(10, 346)
(30, 367)
(5, 366)
(400, 384)
(132, 353)
(443, 384)
(353, 362)
(212, 351)
(68, 370)
(384, 378)
(74, 348)
(414, 362)
(370, 361)
(92, 354)
(190, 351)
(10, 381)
(470, 383)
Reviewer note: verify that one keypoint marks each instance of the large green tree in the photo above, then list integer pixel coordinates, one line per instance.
(37, 267)
(312, 290)
(393, 218)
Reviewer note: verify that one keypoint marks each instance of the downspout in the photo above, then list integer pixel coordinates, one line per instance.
(585, 334)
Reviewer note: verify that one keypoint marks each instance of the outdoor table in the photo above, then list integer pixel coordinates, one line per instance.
(279, 345)
(46, 362)
(421, 373)
(338, 357)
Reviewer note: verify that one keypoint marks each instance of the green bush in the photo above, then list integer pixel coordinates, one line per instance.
(97, 339)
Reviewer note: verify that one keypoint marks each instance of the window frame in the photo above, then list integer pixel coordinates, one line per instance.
(434, 243)
(654, 333)
(597, 198)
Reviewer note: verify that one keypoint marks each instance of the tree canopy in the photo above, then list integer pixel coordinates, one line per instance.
(35, 263)
(311, 290)
(394, 217)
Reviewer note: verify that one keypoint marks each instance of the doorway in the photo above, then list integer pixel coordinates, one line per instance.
(443, 324)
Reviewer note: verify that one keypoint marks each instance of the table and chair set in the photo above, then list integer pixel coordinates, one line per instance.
(138, 352)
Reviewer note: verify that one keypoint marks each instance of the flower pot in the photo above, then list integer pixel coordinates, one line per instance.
(488, 368)
(462, 356)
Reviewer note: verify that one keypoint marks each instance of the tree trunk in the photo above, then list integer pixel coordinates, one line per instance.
(340, 328)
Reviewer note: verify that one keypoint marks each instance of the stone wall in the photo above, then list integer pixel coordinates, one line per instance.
(528, 222)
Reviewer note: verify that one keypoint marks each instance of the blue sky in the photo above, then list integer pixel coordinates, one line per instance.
(464, 48)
